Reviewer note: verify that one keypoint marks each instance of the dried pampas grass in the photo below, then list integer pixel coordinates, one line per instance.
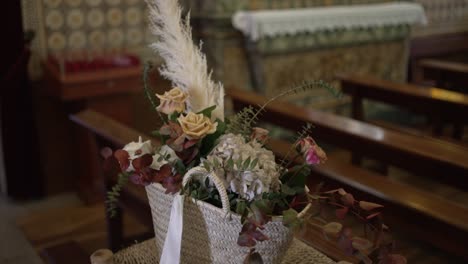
(185, 64)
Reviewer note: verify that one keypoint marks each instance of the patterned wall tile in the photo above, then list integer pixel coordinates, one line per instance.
(72, 25)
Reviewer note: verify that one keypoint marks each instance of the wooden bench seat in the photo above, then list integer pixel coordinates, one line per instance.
(446, 220)
(447, 163)
(440, 218)
(436, 104)
(445, 74)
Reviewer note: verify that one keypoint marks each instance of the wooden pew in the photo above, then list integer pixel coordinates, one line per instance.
(435, 103)
(444, 219)
(446, 163)
(111, 133)
(446, 74)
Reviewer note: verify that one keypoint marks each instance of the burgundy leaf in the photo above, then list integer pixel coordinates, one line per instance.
(259, 236)
(342, 212)
(163, 173)
(172, 184)
(248, 227)
(142, 162)
(177, 144)
(123, 159)
(190, 143)
(253, 258)
(137, 179)
(245, 240)
(165, 130)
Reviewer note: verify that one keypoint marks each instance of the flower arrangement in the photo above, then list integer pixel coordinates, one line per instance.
(195, 133)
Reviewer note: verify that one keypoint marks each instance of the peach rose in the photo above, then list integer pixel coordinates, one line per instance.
(196, 126)
(172, 101)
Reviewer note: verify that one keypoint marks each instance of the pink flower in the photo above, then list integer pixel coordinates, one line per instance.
(260, 134)
(312, 153)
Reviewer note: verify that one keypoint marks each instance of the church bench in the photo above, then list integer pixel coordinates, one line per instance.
(110, 133)
(435, 103)
(446, 74)
(418, 213)
(443, 218)
(446, 163)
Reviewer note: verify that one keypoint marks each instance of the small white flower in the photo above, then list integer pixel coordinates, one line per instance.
(137, 149)
(164, 156)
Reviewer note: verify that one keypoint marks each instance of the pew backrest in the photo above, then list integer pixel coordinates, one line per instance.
(425, 156)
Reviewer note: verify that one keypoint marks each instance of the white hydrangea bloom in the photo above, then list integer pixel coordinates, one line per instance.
(251, 183)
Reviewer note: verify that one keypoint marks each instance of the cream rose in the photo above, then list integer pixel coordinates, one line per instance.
(172, 101)
(196, 126)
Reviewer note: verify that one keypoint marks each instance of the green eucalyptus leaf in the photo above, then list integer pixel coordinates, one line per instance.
(253, 164)
(239, 164)
(174, 116)
(207, 111)
(180, 167)
(216, 163)
(230, 163)
(288, 190)
(208, 143)
(246, 164)
(207, 166)
(290, 217)
(241, 207)
(264, 206)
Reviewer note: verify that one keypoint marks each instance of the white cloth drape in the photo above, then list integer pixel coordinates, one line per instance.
(272, 23)
(173, 243)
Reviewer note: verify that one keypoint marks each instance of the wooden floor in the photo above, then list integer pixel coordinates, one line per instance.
(81, 224)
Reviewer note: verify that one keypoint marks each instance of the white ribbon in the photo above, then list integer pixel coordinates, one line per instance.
(173, 243)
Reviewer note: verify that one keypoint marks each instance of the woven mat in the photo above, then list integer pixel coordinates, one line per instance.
(145, 253)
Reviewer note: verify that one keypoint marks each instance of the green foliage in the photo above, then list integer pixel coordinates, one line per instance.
(173, 117)
(296, 178)
(242, 122)
(290, 219)
(207, 111)
(180, 167)
(162, 138)
(148, 93)
(113, 195)
(209, 142)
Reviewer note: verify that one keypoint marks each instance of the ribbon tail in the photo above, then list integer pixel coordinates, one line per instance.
(173, 243)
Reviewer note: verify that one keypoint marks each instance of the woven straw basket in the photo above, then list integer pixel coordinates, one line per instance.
(210, 233)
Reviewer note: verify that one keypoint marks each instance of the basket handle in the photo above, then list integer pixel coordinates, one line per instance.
(215, 179)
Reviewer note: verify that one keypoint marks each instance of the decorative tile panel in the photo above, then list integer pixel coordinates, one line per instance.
(75, 25)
